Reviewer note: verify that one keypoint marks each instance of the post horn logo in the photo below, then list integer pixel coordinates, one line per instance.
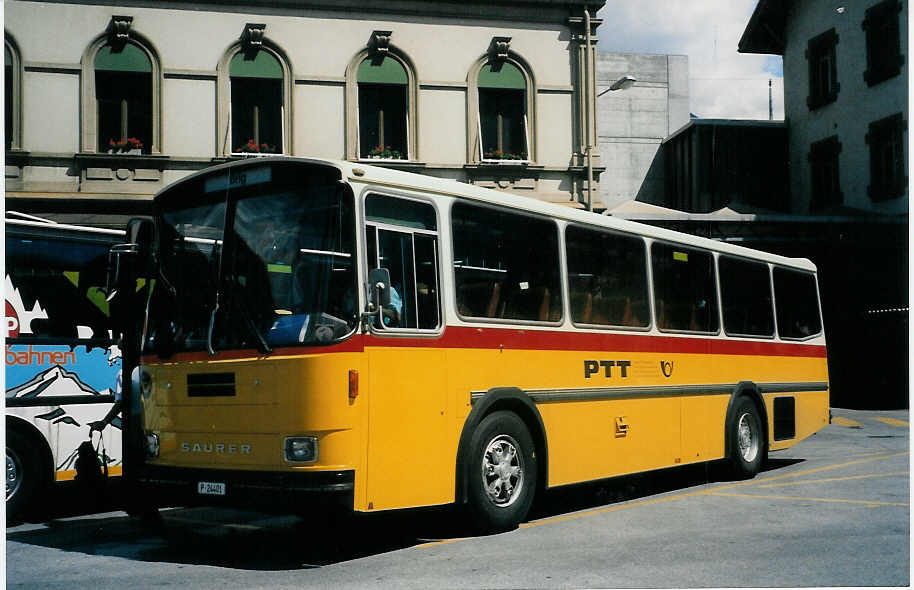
(666, 367)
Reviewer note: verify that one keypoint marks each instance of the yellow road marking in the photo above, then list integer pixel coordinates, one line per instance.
(713, 491)
(892, 422)
(846, 422)
(830, 479)
(800, 498)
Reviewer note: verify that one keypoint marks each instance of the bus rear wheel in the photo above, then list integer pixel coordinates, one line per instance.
(502, 473)
(21, 475)
(747, 440)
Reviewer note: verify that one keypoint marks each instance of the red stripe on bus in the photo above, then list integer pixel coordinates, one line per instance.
(524, 339)
(527, 339)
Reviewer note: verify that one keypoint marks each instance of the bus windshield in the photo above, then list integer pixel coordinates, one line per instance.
(258, 257)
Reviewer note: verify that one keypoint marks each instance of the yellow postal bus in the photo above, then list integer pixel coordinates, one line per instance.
(331, 331)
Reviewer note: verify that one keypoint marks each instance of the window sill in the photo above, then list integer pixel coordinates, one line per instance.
(490, 164)
(98, 160)
(389, 163)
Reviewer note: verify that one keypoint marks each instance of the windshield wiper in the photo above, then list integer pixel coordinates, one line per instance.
(262, 344)
(218, 291)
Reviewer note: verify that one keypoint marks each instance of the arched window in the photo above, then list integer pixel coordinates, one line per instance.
(123, 94)
(12, 94)
(257, 102)
(503, 128)
(501, 107)
(383, 109)
(120, 90)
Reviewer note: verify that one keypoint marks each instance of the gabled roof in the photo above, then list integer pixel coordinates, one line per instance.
(765, 31)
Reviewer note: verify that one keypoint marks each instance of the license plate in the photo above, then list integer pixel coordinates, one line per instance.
(211, 488)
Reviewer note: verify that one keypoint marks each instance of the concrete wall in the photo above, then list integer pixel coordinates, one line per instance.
(632, 122)
(857, 104)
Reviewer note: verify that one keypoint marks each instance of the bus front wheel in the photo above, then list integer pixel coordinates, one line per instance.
(502, 472)
(747, 440)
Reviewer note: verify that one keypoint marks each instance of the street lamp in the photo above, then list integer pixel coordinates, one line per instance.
(626, 81)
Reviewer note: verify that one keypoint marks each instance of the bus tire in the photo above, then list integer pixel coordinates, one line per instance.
(22, 476)
(747, 440)
(501, 474)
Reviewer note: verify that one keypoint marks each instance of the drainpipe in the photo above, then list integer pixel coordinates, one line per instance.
(588, 67)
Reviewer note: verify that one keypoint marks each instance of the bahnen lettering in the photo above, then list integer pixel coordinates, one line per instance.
(39, 357)
(593, 367)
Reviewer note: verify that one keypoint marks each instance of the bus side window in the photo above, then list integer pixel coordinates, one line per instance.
(402, 236)
(797, 304)
(607, 278)
(745, 290)
(685, 293)
(506, 265)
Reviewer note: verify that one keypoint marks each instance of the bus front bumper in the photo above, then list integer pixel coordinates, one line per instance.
(268, 491)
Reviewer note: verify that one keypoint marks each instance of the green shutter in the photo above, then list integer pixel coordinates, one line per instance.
(130, 59)
(389, 71)
(508, 76)
(263, 65)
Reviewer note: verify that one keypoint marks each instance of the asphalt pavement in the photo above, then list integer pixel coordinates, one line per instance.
(832, 511)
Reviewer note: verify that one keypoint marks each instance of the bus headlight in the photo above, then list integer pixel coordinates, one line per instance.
(152, 445)
(301, 449)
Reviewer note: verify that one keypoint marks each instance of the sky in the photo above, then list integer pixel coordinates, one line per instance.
(723, 84)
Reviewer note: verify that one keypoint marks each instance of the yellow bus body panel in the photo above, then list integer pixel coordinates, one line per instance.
(400, 435)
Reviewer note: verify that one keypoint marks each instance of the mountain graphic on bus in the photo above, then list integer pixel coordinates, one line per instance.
(51, 382)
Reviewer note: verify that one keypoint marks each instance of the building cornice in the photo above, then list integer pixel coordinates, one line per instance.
(520, 11)
(765, 32)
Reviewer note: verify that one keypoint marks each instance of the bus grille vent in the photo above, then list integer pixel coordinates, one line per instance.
(210, 384)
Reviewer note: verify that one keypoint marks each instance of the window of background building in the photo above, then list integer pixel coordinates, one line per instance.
(607, 278)
(886, 140)
(383, 87)
(256, 80)
(823, 69)
(824, 171)
(685, 294)
(123, 91)
(506, 265)
(502, 112)
(8, 96)
(883, 42)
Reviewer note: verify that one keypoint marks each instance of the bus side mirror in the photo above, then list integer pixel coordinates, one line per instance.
(131, 259)
(379, 288)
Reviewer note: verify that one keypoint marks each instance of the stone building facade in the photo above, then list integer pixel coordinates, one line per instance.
(109, 102)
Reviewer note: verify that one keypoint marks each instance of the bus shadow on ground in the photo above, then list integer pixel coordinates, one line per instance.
(255, 541)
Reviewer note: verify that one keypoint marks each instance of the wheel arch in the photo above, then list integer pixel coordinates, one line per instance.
(39, 444)
(749, 390)
(510, 399)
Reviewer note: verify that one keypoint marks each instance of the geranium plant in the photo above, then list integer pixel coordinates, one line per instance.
(125, 145)
(500, 155)
(384, 152)
(251, 147)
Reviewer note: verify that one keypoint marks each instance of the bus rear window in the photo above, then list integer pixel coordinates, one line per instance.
(745, 291)
(685, 296)
(607, 278)
(506, 265)
(797, 303)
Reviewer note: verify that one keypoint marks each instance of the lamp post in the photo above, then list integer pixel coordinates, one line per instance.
(622, 83)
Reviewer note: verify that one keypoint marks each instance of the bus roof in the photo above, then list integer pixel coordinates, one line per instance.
(362, 173)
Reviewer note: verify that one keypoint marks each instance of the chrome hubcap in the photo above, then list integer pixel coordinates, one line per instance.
(747, 431)
(502, 470)
(13, 473)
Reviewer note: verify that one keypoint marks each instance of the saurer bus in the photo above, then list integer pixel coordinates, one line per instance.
(334, 332)
(63, 360)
